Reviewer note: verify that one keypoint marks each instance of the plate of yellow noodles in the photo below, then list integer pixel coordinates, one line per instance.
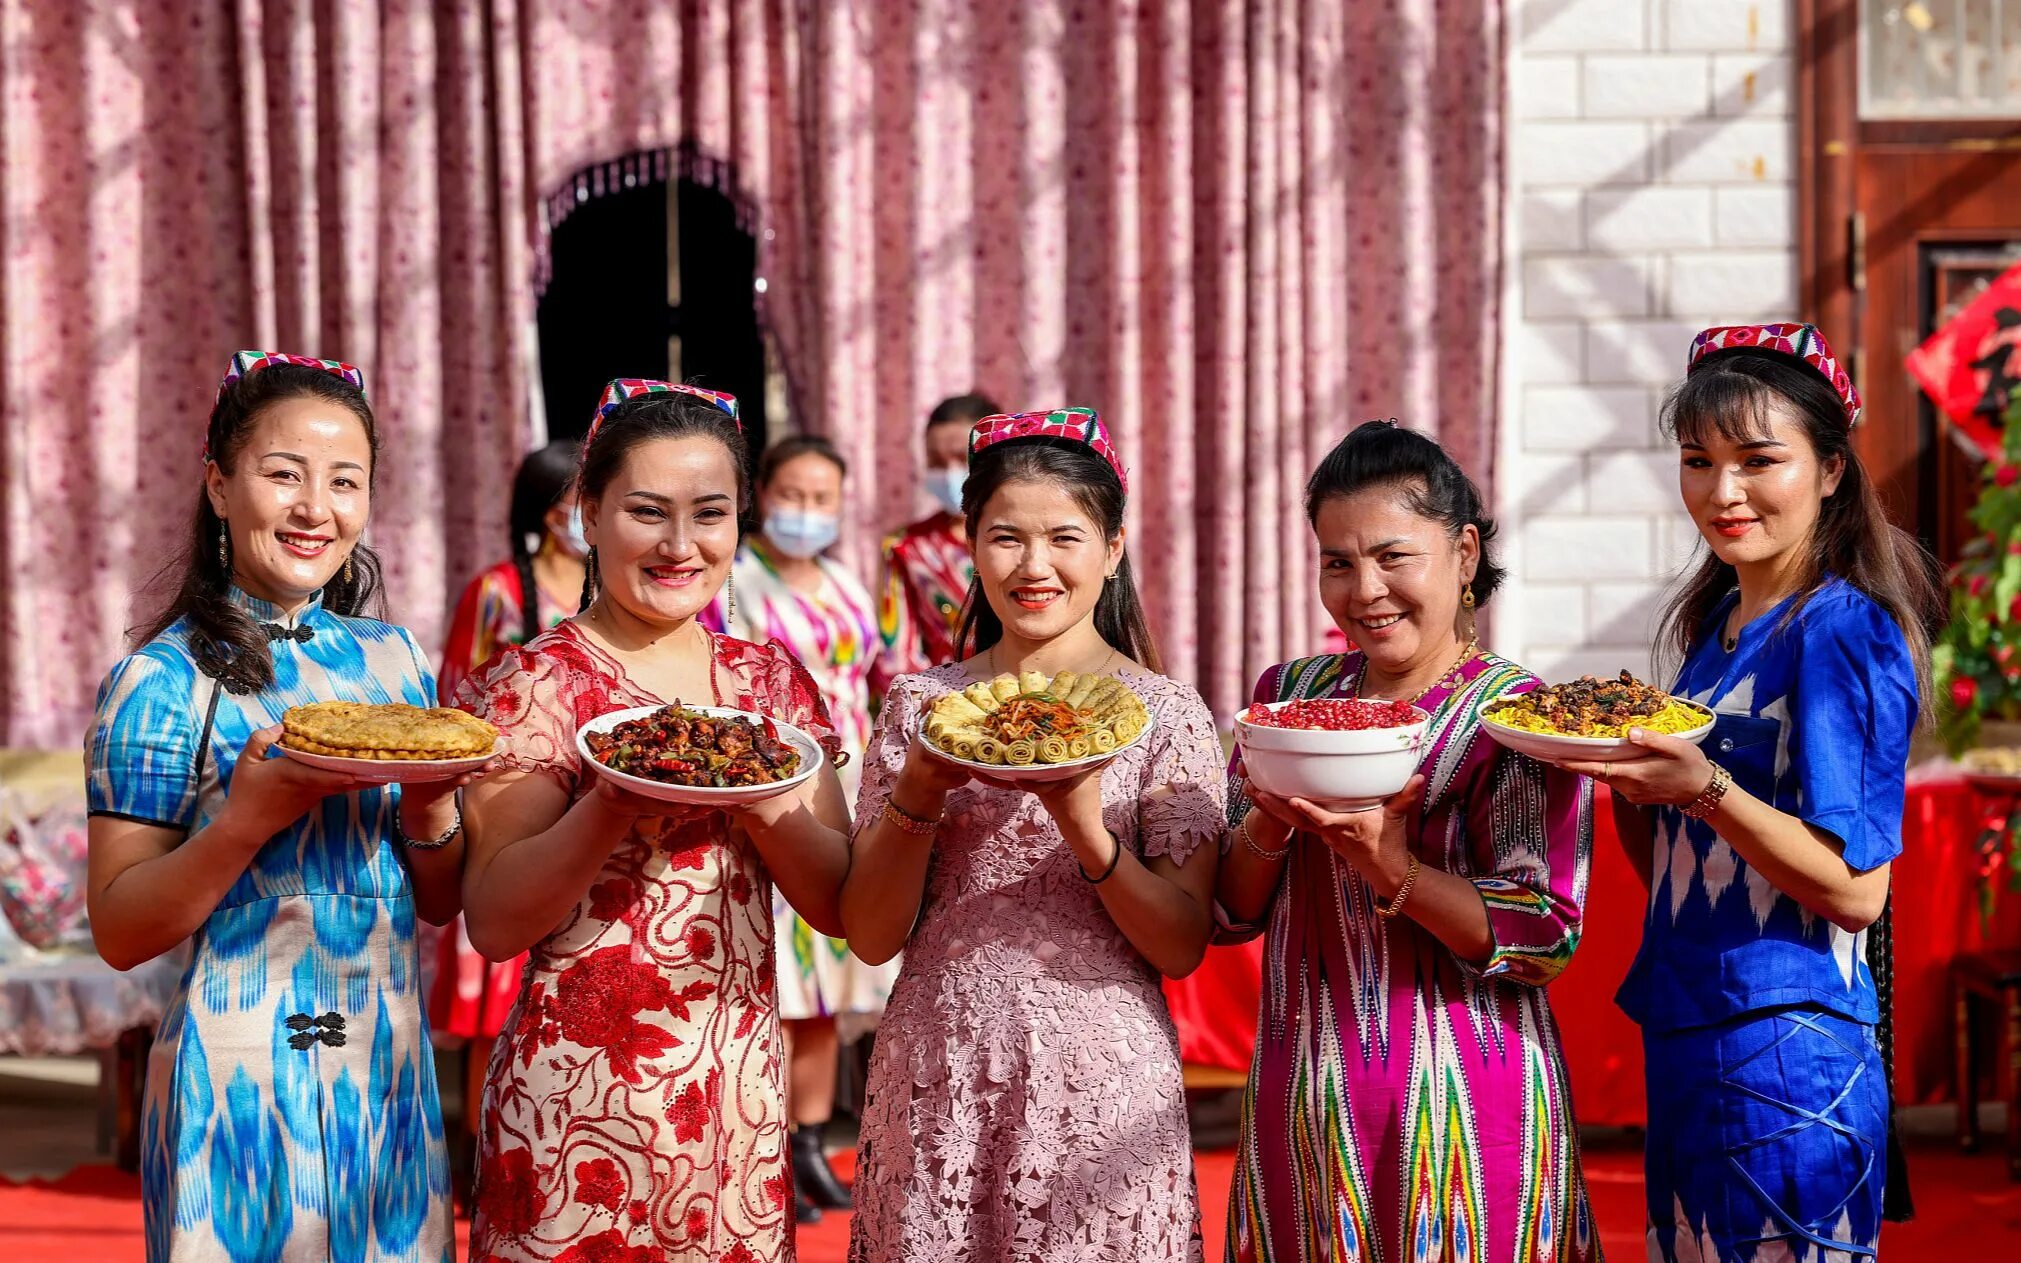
(1589, 718)
(1034, 727)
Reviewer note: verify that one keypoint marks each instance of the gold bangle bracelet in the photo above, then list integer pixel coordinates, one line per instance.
(1249, 841)
(1410, 877)
(905, 822)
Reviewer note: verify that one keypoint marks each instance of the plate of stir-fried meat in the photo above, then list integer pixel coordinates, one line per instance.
(1590, 718)
(699, 755)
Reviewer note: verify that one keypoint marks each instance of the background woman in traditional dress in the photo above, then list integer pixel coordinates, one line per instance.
(1025, 1100)
(290, 1109)
(787, 589)
(509, 604)
(1769, 845)
(634, 1104)
(1408, 1099)
(927, 568)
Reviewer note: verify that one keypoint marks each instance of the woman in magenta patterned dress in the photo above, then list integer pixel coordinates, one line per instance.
(1025, 1102)
(1407, 1099)
(788, 590)
(634, 1107)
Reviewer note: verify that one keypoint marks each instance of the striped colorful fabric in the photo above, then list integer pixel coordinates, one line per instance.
(1404, 1104)
(246, 362)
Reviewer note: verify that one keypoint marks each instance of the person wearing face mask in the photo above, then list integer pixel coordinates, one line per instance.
(1408, 1098)
(546, 560)
(635, 1106)
(927, 567)
(470, 994)
(290, 1112)
(784, 589)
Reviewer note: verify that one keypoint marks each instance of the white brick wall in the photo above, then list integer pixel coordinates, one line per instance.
(1651, 162)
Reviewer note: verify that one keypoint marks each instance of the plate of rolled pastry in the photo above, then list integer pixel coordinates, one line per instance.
(1031, 727)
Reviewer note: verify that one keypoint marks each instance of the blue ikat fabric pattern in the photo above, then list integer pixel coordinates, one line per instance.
(291, 1109)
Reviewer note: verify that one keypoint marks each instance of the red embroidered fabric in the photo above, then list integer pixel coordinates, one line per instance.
(634, 1107)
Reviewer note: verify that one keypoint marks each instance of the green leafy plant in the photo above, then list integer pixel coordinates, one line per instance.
(1977, 659)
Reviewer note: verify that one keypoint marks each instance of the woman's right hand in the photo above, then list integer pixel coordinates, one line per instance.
(615, 800)
(270, 793)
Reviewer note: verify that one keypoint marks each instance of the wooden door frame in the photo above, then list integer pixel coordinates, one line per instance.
(1829, 135)
(1831, 139)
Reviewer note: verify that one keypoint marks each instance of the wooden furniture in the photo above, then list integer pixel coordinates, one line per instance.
(1991, 979)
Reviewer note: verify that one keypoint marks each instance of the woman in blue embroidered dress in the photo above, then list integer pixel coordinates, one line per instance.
(1804, 628)
(290, 1109)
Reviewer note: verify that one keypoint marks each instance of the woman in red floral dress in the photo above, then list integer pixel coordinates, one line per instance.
(635, 1110)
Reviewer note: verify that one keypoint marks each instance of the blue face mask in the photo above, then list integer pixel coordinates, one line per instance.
(571, 537)
(802, 532)
(944, 483)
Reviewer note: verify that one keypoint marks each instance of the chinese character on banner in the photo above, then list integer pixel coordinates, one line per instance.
(1971, 367)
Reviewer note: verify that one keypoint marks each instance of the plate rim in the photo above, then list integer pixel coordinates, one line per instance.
(717, 793)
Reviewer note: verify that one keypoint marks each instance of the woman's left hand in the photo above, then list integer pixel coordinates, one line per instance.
(1667, 772)
(1373, 840)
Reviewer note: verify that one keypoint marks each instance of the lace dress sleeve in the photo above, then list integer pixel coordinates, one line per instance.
(885, 758)
(792, 695)
(1188, 804)
(525, 695)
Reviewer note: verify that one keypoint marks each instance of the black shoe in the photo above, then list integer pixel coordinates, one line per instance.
(812, 1175)
(804, 1211)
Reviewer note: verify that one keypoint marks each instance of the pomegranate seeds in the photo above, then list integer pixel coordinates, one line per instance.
(1334, 715)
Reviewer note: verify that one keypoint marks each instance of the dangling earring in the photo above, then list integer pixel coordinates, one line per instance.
(730, 591)
(225, 549)
(589, 578)
(1467, 596)
(347, 570)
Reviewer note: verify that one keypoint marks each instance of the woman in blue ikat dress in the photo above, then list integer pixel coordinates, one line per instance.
(1767, 848)
(290, 1109)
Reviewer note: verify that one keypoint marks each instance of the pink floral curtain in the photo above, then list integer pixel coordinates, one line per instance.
(1235, 228)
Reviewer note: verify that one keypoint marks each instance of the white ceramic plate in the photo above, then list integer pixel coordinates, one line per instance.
(811, 759)
(1037, 773)
(388, 771)
(1541, 745)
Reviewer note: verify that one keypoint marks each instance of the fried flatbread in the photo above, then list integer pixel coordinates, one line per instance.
(394, 731)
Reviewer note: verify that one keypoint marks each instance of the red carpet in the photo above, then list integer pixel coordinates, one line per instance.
(1968, 1211)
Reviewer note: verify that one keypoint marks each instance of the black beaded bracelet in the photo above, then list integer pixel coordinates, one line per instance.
(1108, 872)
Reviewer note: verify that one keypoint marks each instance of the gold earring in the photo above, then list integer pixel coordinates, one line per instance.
(1467, 595)
(347, 570)
(589, 575)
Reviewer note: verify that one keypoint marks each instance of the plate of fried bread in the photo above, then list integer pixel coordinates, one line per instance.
(387, 741)
(703, 756)
(1035, 728)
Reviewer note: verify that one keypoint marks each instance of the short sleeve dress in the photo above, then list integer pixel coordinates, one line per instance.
(295, 1046)
(1025, 1101)
(1769, 1101)
(635, 1105)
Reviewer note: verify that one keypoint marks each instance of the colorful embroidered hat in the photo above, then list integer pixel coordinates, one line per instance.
(1075, 425)
(1802, 341)
(247, 362)
(623, 388)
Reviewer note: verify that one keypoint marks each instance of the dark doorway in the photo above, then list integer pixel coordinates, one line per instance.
(605, 312)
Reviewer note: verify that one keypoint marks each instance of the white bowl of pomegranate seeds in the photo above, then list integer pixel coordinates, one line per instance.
(1342, 754)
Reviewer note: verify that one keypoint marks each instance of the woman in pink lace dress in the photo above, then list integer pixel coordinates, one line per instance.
(634, 1107)
(1025, 1099)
